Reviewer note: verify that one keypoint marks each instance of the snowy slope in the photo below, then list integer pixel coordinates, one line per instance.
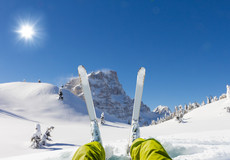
(35, 100)
(204, 133)
(24, 104)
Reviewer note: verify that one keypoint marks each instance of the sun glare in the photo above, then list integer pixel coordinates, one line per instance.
(29, 30)
(26, 32)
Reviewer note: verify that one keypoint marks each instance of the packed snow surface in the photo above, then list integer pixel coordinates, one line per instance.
(203, 134)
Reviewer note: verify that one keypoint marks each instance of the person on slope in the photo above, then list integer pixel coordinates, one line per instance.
(60, 95)
(141, 149)
(102, 118)
(36, 138)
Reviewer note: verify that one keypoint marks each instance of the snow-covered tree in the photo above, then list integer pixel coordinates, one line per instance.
(158, 120)
(153, 122)
(166, 116)
(203, 103)
(186, 108)
(180, 113)
(36, 138)
(47, 136)
(170, 116)
(190, 106)
(176, 110)
(215, 98)
(196, 105)
(208, 100)
(223, 96)
(228, 92)
(211, 99)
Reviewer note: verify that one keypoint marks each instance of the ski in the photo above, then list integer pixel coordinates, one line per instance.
(135, 131)
(95, 132)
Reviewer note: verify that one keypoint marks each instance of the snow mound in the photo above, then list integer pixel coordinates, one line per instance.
(35, 101)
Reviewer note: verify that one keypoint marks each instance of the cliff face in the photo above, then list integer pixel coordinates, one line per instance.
(110, 97)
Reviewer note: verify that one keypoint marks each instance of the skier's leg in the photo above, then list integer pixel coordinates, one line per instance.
(147, 150)
(91, 151)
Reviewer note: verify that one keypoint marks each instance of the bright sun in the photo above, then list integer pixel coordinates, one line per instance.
(26, 32)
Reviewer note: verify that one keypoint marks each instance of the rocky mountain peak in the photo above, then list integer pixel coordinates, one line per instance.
(162, 110)
(109, 96)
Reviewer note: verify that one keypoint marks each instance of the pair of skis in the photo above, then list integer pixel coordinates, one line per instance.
(95, 132)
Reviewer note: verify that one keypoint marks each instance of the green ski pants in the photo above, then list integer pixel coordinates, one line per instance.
(141, 149)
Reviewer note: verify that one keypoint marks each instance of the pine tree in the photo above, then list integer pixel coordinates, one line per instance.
(153, 122)
(228, 92)
(203, 103)
(176, 111)
(196, 105)
(208, 100)
(186, 108)
(189, 106)
(215, 98)
(223, 96)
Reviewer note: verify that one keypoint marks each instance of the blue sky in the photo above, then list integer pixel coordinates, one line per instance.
(184, 45)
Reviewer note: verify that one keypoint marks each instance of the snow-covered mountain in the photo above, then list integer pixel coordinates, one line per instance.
(110, 97)
(162, 110)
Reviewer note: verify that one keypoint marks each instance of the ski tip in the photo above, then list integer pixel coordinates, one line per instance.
(142, 71)
(81, 69)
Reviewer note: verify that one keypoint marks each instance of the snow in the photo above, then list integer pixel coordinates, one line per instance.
(203, 134)
(162, 109)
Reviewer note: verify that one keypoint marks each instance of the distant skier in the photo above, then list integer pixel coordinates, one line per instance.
(60, 95)
(102, 118)
(39, 81)
(36, 138)
(47, 136)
